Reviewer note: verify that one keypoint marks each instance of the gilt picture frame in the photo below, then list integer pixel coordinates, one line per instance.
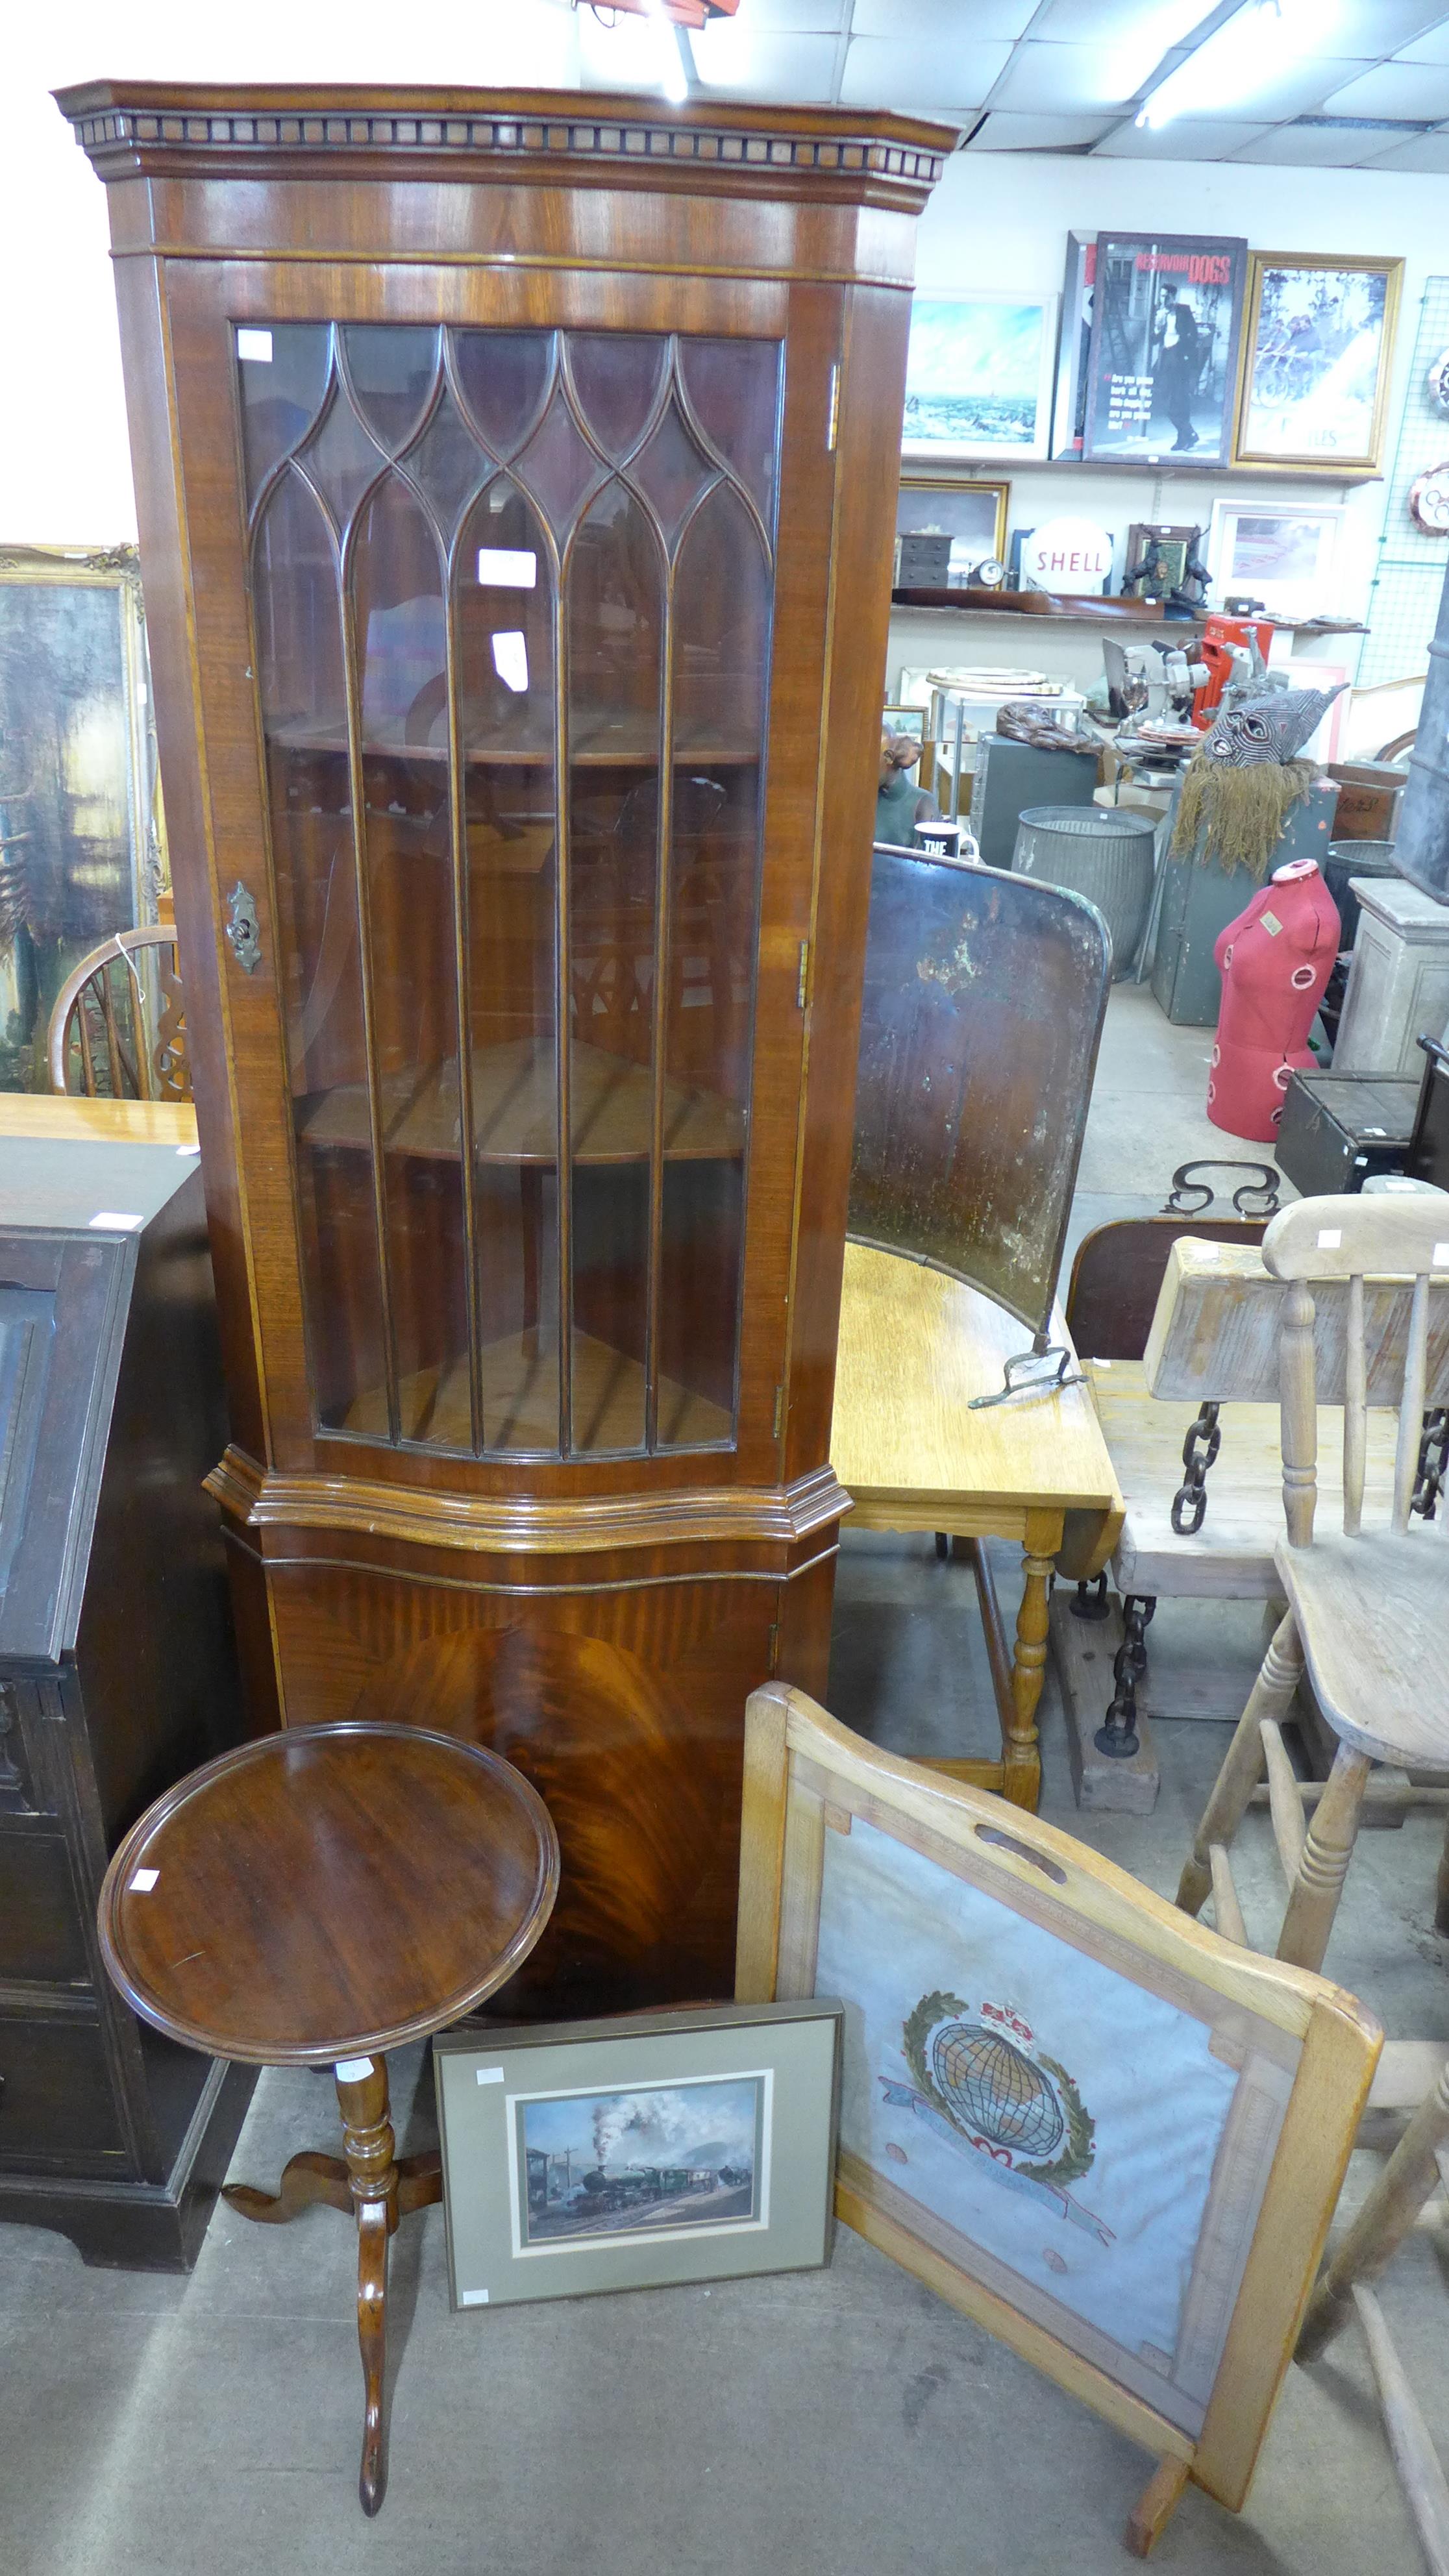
(968, 508)
(637, 2153)
(1104, 2133)
(1318, 347)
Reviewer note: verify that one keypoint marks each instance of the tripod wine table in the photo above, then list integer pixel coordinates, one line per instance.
(316, 1898)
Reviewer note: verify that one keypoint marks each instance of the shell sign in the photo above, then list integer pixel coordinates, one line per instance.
(1066, 554)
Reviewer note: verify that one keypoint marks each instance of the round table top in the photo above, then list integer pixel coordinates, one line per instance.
(328, 1892)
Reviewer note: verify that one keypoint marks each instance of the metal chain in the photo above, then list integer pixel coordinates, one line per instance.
(1432, 1473)
(1199, 1449)
(1117, 1734)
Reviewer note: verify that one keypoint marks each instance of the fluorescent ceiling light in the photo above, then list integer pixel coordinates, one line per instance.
(1138, 47)
(669, 60)
(1246, 54)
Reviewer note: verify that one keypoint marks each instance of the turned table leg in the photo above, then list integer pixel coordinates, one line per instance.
(1021, 1757)
(369, 2146)
(379, 2188)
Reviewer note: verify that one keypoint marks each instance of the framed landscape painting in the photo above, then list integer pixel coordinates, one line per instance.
(1284, 557)
(1318, 349)
(979, 375)
(1106, 2134)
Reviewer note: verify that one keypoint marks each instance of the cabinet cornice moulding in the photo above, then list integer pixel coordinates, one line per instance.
(514, 1525)
(542, 137)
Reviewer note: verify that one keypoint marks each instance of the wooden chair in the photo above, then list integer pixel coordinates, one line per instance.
(123, 1041)
(1204, 1376)
(1415, 2170)
(1366, 1610)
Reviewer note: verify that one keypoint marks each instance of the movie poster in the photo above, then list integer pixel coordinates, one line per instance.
(1166, 316)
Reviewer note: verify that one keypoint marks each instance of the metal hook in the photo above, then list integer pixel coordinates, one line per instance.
(1048, 1385)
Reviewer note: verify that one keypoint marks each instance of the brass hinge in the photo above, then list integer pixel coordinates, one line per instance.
(802, 985)
(834, 408)
(779, 1409)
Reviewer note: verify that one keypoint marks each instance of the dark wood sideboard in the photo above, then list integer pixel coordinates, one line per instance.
(117, 1674)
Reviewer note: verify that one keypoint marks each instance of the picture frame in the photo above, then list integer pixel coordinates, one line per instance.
(1173, 547)
(1097, 2128)
(1074, 344)
(1167, 315)
(979, 374)
(80, 805)
(639, 2152)
(1285, 554)
(1318, 345)
(968, 508)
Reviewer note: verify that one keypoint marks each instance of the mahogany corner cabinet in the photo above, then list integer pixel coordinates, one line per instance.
(514, 478)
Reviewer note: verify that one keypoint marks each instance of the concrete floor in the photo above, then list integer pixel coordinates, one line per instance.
(839, 2423)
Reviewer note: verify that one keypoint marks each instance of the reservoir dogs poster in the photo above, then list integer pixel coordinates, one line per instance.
(1167, 314)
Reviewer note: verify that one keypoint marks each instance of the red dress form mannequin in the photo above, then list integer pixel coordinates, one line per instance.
(1275, 961)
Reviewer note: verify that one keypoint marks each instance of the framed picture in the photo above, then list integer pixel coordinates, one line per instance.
(1157, 559)
(80, 818)
(979, 375)
(1074, 344)
(631, 2154)
(1285, 557)
(1167, 313)
(1318, 347)
(961, 508)
(911, 720)
(1104, 2133)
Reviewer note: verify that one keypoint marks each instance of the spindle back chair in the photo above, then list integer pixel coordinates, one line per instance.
(1367, 1607)
(118, 1029)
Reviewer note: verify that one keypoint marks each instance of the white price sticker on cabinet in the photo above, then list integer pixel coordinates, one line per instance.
(501, 569)
(114, 1221)
(510, 661)
(256, 345)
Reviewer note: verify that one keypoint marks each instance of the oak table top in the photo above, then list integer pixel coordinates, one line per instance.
(915, 1347)
(126, 1122)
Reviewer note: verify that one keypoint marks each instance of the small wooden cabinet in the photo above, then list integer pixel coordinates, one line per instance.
(117, 1675)
(514, 477)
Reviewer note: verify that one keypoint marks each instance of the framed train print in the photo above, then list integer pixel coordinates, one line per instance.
(1106, 2134)
(1317, 353)
(637, 2153)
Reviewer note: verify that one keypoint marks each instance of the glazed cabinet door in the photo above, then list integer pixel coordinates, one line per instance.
(531, 687)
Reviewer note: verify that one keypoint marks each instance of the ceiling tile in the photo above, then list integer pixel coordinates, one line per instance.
(1012, 133)
(797, 17)
(728, 56)
(1419, 90)
(1430, 48)
(1427, 152)
(940, 22)
(1316, 147)
(1141, 22)
(882, 73)
(1294, 89)
(1373, 27)
(1190, 138)
(1065, 79)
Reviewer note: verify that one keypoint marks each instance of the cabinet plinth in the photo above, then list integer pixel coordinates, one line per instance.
(518, 590)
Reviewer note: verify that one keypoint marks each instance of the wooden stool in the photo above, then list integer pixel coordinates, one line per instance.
(317, 1898)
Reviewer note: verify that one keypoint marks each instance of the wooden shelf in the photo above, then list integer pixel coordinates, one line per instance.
(1152, 466)
(514, 1113)
(600, 747)
(520, 1402)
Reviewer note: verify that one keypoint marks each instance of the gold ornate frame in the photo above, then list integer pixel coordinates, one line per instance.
(1259, 262)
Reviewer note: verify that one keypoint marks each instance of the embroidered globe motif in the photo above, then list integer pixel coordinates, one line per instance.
(996, 2089)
